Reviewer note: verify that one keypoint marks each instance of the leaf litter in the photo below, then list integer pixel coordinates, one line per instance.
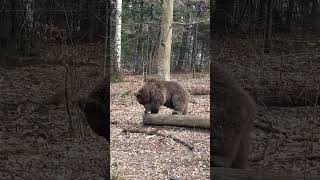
(141, 156)
(34, 138)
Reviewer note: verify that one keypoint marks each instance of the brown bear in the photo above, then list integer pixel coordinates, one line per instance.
(233, 112)
(95, 108)
(155, 93)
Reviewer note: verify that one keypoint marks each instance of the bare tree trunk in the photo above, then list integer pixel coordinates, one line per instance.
(153, 58)
(9, 29)
(201, 57)
(236, 9)
(118, 36)
(222, 15)
(28, 28)
(91, 22)
(164, 53)
(182, 51)
(195, 48)
(189, 49)
(289, 15)
(315, 16)
(107, 39)
(149, 51)
(268, 27)
(262, 10)
(138, 57)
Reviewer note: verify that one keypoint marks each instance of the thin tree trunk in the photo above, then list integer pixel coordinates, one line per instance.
(268, 27)
(289, 15)
(153, 54)
(194, 51)
(118, 35)
(138, 58)
(107, 39)
(202, 57)
(149, 51)
(222, 15)
(315, 16)
(182, 51)
(262, 10)
(91, 24)
(29, 20)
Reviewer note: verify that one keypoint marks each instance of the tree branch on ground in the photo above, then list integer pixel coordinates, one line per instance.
(155, 132)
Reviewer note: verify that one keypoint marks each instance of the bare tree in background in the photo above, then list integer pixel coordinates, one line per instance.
(107, 39)
(222, 15)
(118, 36)
(315, 14)
(268, 27)
(28, 26)
(164, 53)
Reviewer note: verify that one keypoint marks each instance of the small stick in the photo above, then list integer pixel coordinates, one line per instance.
(155, 132)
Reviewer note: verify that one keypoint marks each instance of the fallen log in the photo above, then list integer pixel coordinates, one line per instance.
(176, 120)
(219, 173)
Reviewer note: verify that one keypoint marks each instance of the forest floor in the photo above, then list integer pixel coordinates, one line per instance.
(35, 142)
(141, 156)
(294, 63)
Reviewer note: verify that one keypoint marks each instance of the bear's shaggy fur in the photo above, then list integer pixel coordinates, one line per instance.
(95, 108)
(233, 111)
(155, 93)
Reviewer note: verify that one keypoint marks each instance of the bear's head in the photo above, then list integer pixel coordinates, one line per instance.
(143, 96)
